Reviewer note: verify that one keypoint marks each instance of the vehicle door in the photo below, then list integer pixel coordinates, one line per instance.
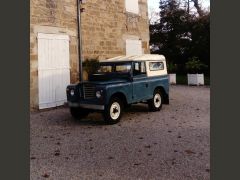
(140, 83)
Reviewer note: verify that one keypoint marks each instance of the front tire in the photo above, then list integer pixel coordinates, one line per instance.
(155, 104)
(113, 111)
(78, 113)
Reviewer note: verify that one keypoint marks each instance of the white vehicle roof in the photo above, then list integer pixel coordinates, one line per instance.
(145, 57)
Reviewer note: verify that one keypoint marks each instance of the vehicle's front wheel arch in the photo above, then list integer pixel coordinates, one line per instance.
(121, 96)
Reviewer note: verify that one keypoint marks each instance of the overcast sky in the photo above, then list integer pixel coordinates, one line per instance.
(153, 5)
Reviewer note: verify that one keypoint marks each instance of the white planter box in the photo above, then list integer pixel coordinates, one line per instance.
(195, 79)
(172, 78)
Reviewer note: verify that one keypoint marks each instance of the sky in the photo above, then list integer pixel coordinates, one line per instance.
(153, 5)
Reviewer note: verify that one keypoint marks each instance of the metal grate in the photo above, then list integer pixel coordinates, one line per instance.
(89, 91)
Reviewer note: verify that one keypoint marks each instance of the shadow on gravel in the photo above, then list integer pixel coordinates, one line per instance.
(96, 119)
(62, 116)
(137, 108)
(89, 122)
(93, 119)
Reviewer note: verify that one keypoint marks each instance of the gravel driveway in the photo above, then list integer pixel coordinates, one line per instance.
(171, 144)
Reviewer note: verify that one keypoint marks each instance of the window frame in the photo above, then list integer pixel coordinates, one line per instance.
(126, 64)
(156, 69)
(114, 64)
(140, 67)
(131, 10)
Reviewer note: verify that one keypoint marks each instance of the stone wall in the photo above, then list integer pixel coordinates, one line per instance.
(105, 27)
(51, 16)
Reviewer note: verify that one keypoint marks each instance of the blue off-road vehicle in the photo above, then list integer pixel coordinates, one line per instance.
(119, 82)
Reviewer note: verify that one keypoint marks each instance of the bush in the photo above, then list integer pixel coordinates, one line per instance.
(91, 65)
(172, 68)
(194, 65)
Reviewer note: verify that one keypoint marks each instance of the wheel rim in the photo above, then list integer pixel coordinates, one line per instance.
(157, 100)
(115, 110)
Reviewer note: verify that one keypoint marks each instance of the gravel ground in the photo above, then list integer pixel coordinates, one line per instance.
(171, 144)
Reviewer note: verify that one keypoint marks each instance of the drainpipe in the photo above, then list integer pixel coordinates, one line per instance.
(80, 58)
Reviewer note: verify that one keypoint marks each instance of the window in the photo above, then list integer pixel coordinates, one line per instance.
(139, 68)
(155, 66)
(132, 6)
(133, 47)
(115, 68)
(105, 69)
(124, 68)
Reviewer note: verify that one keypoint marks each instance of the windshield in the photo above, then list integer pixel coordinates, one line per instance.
(117, 68)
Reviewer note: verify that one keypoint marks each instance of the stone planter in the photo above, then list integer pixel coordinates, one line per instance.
(172, 78)
(195, 79)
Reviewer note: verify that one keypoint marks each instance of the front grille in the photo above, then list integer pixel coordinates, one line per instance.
(89, 91)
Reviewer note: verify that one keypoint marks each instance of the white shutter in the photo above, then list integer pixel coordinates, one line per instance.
(133, 47)
(53, 69)
(132, 6)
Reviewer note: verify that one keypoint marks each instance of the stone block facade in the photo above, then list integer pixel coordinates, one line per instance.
(105, 26)
(51, 16)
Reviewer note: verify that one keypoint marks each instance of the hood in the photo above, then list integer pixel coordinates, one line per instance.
(114, 81)
(108, 78)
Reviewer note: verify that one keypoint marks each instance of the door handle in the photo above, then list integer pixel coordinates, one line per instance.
(147, 85)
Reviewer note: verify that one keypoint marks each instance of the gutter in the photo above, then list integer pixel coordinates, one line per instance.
(80, 58)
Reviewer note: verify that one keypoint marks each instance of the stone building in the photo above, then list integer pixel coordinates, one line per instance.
(109, 28)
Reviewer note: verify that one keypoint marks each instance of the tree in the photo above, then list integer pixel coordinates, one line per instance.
(171, 34)
(192, 6)
(180, 35)
(197, 6)
(200, 45)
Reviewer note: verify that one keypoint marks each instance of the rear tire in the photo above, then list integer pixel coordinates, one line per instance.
(155, 104)
(78, 113)
(113, 111)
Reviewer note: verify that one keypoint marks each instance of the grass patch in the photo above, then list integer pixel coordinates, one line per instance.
(182, 79)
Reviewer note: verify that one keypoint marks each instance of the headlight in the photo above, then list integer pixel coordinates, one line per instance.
(98, 94)
(72, 92)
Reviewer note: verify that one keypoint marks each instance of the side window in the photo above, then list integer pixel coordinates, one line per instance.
(123, 68)
(139, 68)
(105, 69)
(155, 66)
(132, 6)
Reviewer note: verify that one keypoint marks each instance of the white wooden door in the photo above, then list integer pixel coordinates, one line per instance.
(53, 69)
(133, 47)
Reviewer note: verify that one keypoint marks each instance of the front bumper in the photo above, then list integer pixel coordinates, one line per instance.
(86, 106)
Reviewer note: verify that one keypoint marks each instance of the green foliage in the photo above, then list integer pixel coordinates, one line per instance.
(91, 65)
(200, 45)
(182, 79)
(172, 68)
(180, 35)
(194, 65)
